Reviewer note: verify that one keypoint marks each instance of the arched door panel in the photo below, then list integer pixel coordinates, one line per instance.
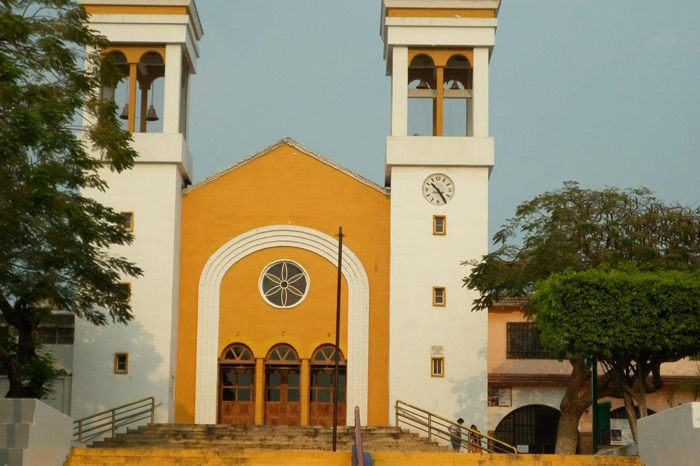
(282, 387)
(323, 385)
(237, 386)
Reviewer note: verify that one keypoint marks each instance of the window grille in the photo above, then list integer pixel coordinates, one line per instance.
(121, 363)
(437, 367)
(127, 220)
(439, 298)
(439, 225)
(55, 335)
(524, 342)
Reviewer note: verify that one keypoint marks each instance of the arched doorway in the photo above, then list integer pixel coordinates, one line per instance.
(323, 385)
(282, 387)
(237, 385)
(532, 427)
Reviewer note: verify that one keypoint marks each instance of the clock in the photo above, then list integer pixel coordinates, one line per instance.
(438, 189)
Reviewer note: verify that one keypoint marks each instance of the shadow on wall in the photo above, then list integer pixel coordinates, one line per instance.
(96, 386)
(471, 393)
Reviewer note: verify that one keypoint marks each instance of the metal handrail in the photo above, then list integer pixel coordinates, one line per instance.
(360, 452)
(90, 427)
(438, 427)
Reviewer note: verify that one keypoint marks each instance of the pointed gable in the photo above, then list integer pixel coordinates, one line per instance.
(300, 150)
(284, 184)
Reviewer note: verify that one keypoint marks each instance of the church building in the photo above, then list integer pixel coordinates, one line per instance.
(235, 313)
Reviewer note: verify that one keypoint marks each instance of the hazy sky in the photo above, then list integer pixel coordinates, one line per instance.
(606, 93)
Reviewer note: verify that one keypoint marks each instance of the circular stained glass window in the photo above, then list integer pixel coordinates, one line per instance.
(284, 284)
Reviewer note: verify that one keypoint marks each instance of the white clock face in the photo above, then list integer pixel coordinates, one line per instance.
(438, 189)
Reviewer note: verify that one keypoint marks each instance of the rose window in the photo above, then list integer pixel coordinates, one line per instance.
(284, 284)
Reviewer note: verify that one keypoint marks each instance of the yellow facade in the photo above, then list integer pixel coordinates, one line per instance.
(272, 188)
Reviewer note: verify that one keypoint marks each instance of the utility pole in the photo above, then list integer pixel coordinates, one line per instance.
(337, 337)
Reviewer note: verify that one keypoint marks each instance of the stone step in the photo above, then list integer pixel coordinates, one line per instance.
(385, 458)
(276, 446)
(203, 435)
(158, 457)
(274, 438)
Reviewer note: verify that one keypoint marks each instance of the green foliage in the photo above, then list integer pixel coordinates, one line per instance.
(576, 230)
(39, 372)
(580, 229)
(620, 315)
(53, 241)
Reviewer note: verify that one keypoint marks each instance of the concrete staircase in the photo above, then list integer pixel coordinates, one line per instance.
(190, 445)
(225, 437)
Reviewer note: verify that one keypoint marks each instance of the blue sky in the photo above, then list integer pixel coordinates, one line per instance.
(604, 93)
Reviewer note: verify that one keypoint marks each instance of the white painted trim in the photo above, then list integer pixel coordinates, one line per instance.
(208, 310)
(172, 94)
(480, 102)
(399, 92)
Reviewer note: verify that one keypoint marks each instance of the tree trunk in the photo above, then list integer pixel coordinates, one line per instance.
(572, 408)
(631, 413)
(20, 317)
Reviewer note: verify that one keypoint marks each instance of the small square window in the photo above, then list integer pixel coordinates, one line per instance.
(437, 366)
(439, 296)
(121, 363)
(439, 225)
(128, 220)
(127, 288)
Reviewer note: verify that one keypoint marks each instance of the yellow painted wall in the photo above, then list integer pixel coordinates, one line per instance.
(284, 185)
(246, 318)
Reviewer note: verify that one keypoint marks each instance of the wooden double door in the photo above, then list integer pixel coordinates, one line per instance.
(277, 396)
(282, 396)
(237, 395)
(322, 396)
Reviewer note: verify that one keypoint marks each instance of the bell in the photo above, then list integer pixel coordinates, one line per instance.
(423, 84)
(125, 112)
(151, 114)
(454, 86)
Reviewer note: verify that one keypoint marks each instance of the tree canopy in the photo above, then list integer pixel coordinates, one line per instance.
(579, 229)
(54, 242)
(631, 321)
(619, 315)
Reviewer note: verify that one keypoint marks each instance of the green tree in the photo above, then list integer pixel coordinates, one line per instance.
(53, 241)
(631, 321)
(581, 229)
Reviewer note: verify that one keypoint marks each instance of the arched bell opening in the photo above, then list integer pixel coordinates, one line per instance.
(457, 91)
(151, 88)
(322, 388)
(237, 385)
(421, 96)
(117, 90)
(282, 386)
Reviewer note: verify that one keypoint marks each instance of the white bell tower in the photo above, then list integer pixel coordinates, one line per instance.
(438, 160)
(155, 45)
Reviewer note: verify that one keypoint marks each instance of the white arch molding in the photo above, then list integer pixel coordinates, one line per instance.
(208, 310)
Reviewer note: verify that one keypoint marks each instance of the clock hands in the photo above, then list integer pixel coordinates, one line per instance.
(439, 192)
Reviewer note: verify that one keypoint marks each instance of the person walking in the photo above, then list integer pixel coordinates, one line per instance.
(456, 434)
(474, 439)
